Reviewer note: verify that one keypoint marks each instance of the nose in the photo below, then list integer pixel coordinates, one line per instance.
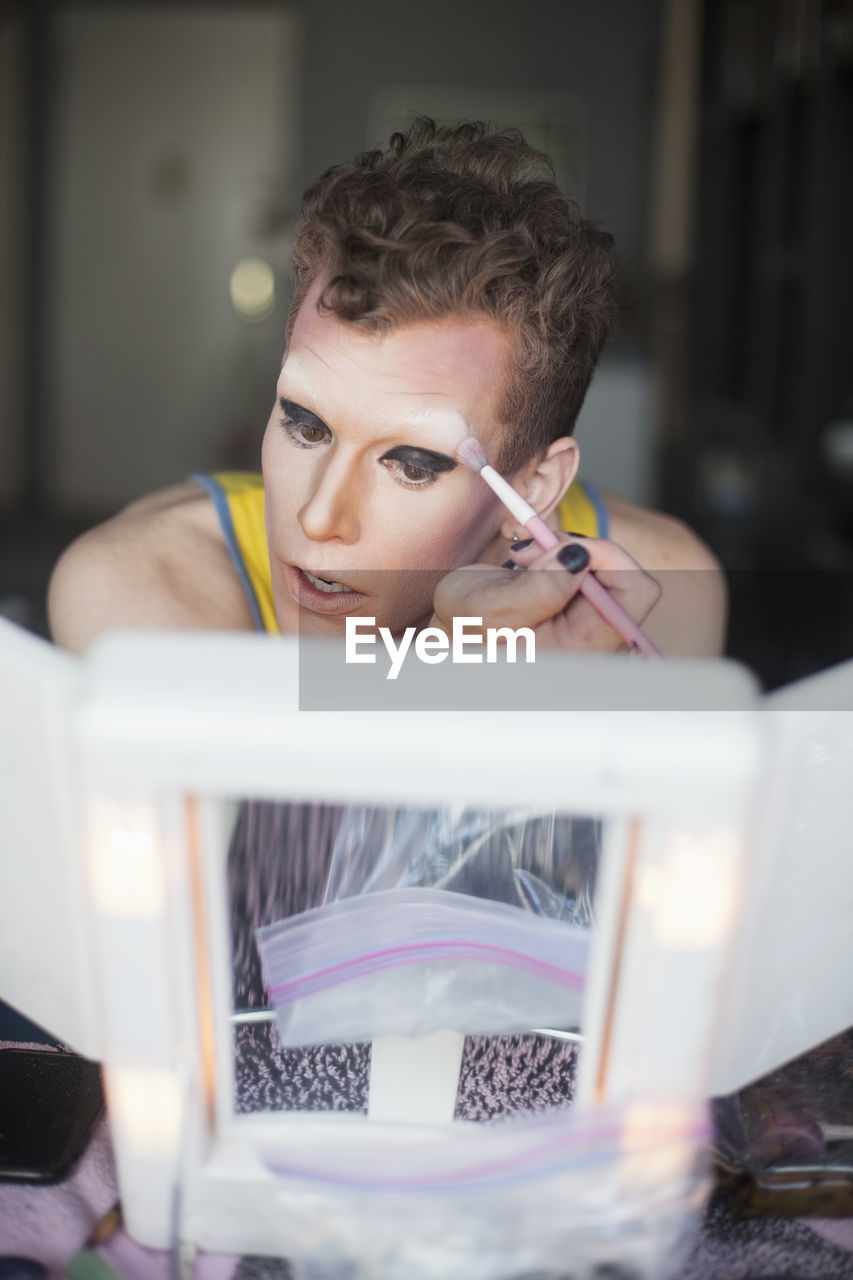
(330, 512)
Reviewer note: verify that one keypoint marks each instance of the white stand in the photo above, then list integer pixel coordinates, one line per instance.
(414, 1080)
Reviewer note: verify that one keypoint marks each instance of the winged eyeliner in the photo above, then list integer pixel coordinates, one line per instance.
(416, 457)
(411, 454)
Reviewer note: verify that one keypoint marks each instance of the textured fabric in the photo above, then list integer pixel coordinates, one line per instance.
(733, 1248)
(239, 500)
(50, 1223)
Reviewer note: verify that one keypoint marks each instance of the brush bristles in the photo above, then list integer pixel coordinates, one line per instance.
(470, 453)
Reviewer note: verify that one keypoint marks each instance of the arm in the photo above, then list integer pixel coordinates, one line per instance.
(160, 562)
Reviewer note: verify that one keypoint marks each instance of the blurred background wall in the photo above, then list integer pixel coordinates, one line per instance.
(152, 158)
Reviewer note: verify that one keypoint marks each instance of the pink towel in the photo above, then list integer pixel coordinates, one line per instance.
(51, 1224)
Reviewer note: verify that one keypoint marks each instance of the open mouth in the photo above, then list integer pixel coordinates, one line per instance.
(319, 594)
(326, 585)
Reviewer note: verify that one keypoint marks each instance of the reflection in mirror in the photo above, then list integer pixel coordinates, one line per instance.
(539, 871)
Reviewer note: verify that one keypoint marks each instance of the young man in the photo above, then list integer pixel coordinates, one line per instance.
(444, 287)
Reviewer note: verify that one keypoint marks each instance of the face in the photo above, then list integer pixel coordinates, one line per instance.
(359, 467)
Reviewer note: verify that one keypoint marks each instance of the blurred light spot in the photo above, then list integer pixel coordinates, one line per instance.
(252, 288)
(729, 484)
(692, 896)
(125, 867)
(836, 445)
(145, 1104)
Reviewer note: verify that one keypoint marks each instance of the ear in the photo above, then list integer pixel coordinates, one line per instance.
(543, 481)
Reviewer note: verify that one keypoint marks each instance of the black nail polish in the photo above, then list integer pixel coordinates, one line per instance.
(520, 546)
(508, 564)
(574, 558)
(574, 534)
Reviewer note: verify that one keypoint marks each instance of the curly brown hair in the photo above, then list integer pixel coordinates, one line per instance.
(467, 221)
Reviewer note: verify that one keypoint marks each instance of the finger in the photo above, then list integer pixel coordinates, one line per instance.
(636, 591)
(503, 597)
(528, 554)
(603, 554)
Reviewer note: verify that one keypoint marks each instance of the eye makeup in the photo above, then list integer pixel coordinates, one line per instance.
(428, 461)
(297, 413)
(414, 456)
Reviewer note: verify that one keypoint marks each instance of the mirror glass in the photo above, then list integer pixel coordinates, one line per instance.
(529, 879)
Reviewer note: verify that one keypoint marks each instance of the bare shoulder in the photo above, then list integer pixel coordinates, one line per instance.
(656, 540)
(160, 562)
(690, 617)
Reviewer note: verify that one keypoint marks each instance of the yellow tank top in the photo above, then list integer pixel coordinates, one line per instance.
(239, 500)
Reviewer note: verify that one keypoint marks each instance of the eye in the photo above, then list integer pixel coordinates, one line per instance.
(409, 473)
(312, 434)
(305, 434)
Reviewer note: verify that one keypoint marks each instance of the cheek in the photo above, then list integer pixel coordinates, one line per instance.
(452, 535)
(281, 473)
(471, 525)
(271, 447)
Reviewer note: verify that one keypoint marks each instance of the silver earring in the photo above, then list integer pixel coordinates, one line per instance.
(515, 538)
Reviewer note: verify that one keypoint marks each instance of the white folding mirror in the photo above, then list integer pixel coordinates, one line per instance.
(157, 740)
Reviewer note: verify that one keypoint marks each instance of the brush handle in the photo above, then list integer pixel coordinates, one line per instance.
(598, 596)
(592, 590)
(621, 622)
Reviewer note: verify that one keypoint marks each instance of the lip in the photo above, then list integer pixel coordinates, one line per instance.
(308, 597)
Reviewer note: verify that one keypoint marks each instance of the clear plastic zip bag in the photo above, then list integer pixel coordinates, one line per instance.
(564, 1194)
(543, 862)
(408, 962)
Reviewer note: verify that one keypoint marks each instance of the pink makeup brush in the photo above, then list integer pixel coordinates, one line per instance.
(470, 453)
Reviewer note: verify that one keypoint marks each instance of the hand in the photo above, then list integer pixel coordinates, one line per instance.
(550, 603)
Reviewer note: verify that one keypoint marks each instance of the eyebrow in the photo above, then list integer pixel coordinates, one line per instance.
(415, 455)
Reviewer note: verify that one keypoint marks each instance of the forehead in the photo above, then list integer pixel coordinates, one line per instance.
(458, 363)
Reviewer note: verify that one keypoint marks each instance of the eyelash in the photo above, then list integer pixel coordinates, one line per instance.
(392, 464)
(293, 428)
